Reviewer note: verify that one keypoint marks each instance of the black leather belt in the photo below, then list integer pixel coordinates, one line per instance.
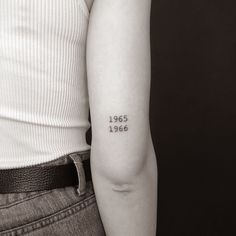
(36, 178)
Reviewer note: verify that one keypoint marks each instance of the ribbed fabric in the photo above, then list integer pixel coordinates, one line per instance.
(44, 103)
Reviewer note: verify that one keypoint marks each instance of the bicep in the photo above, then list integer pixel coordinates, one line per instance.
(118, 69)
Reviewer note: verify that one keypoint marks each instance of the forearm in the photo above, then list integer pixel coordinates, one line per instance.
(129, 209)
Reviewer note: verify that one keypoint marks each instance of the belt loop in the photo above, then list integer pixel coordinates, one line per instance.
(80, 172)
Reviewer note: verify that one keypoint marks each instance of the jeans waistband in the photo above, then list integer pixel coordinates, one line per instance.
(77, 158)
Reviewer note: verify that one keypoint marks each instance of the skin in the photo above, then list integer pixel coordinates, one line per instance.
(123, 160)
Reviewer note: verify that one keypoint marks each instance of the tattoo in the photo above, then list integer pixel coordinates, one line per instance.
(118, 123)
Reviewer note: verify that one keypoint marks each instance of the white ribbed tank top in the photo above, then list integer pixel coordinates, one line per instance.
(44, 103)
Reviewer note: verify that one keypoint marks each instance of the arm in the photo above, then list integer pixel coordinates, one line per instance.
(123, 160)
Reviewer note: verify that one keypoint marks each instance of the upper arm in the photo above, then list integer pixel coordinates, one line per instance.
(119, 74)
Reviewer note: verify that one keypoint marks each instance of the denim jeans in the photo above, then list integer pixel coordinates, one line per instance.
(61, 211)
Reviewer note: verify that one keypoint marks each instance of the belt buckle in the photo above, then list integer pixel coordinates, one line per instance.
(77, 159)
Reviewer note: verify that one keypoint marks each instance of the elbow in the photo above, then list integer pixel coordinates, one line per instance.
(123, 170)
(119, 174)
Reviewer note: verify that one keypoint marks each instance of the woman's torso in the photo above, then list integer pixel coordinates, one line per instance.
(43, 85)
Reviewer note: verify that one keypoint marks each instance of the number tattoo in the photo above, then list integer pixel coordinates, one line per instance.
(121, 127)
